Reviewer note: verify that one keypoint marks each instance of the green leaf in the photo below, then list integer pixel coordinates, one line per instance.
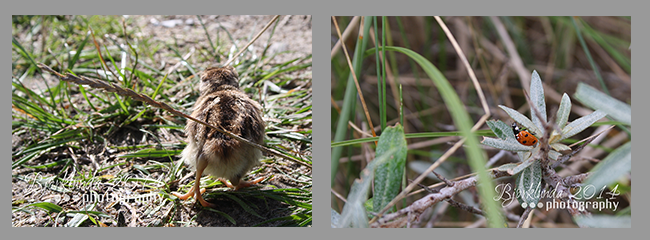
(615, 165)
(388, 176)
(595, 99)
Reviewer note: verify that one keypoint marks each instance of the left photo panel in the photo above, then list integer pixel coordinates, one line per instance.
(145, 121)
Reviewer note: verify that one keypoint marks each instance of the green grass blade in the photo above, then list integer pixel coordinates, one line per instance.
(75, 58)
(462, 121)
(594, 67)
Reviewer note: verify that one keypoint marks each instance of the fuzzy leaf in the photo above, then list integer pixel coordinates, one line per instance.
(508, 167)
(615, 165)
(523, 165)
(523, 156)
(388, 176)
(501, 129)
(564, 111)
(560, 147)
(595, 99)
(528, 184)
(554, 154)
(508, 145)
(580, 124)
(537, 98)
(334, 218)
(555, 137)
(522, 120)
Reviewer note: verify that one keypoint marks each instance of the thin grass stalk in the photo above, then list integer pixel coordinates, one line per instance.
(381, 97)
(207, 34)
(354, 76)
(383, 72)
(392, 78)
(349, 101)
(414, 68)
(594, 67)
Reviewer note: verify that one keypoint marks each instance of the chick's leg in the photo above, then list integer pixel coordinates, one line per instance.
(189, 193)
(201, 164)
(197, 184)
(238, 184)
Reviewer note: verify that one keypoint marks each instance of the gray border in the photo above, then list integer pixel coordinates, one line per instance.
(321, 11)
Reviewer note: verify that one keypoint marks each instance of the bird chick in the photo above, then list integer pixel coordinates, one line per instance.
(222, 104)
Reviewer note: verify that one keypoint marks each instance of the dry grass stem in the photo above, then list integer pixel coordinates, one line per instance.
(356, 81)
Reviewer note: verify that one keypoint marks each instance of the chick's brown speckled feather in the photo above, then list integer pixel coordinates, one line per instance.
(224, 105)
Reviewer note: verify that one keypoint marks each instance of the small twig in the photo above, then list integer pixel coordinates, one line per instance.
(396, 219)
(338, 195)
(425, 187)
(99, 53)
(463, 59)
(524, 216)
(96, 83)
(346, 33)
(575, 179)
(449, 183)
(465, 207)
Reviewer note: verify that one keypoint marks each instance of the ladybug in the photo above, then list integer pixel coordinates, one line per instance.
(523, 136)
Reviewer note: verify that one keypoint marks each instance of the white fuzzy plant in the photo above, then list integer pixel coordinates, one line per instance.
(530, 169)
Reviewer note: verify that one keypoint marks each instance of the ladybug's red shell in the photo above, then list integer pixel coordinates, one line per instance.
(524, 137)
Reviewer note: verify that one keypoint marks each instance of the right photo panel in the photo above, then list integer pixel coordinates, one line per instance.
(481, 122)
